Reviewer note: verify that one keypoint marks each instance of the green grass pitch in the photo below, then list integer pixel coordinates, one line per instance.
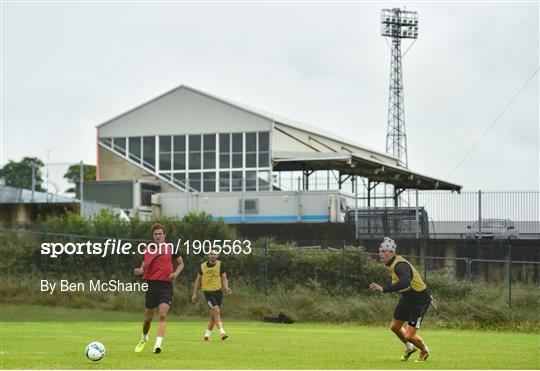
(254, 345)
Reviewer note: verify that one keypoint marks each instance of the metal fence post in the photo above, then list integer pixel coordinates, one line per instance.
(356, 207)
(299, 200)
(480, 214)
(417, 217)
(469, 269)
(265, 266)
(343, 269)
(116, 265)
(33, 179)
(81, 190)
(45, 257)
(510, 276)
(189, 258)
(425, 260)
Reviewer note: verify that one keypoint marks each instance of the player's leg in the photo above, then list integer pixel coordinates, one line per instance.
(217, 315)
(397, 328)
(163, 311)
(210, 301)
(401, 314)
(210, 327)
(219, 323)
(148, 315)
(210, 322)
(410, 335)
(150, 303)
(415, 320)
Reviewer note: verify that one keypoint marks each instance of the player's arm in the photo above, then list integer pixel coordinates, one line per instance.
(225, 283)
(404, 273)
(139, 271)
(196, 286)
(179, 268)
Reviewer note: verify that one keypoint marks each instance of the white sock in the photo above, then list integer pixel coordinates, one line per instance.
(207, 333)
(409, 345)
(222, 330)
(159, 339)
(144, 337)
(426, 349)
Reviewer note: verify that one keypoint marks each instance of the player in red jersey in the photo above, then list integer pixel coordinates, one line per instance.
(157, 270)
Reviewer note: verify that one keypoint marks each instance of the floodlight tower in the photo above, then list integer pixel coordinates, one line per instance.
(397, 24)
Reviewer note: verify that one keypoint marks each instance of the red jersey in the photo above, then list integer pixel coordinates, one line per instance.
(158, 262)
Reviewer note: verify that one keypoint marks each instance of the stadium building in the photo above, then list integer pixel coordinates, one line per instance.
(188, 150)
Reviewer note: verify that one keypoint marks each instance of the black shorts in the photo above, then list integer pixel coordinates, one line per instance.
(213, 298)
(158, 292)
(412, 308)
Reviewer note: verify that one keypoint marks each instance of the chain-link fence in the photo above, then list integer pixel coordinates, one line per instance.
(335, 267)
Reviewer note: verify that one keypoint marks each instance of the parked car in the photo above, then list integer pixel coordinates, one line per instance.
(493, 228)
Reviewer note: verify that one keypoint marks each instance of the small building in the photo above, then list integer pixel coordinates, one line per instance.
(21, 207)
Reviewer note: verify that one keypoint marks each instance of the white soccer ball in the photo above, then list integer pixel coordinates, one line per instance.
(95, 351)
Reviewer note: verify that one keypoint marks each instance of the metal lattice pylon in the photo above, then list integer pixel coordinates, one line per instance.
(397, 24)
(396, 137)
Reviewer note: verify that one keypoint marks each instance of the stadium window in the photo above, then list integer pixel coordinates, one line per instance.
(179, 152)
(251, 149)
(195, 181)
(262, 179)
(224, 181)
(107, 142)
(135, 149)
(209, 182)
(236, 183)
(251, 180)
(119, 145)
(209, 151)
(179, 179)
(195, 152)
(237, 150)
(149, 152)
(165, 153)
(225, 151)
(264, 149)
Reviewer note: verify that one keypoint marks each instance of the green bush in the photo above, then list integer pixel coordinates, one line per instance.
(108, 224)
(312, 285)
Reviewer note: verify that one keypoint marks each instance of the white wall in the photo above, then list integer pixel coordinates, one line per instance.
(183, 111)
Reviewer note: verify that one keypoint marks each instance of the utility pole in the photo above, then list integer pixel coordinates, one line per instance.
(81, 189)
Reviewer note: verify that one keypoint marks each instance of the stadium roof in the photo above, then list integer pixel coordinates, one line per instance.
(328, 151)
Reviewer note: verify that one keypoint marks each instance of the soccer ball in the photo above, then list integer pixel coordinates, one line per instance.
(95, 351)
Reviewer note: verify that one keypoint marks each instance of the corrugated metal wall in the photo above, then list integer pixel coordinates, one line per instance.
(183, 111)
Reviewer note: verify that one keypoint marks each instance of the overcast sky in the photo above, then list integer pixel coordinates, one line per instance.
(67, 67)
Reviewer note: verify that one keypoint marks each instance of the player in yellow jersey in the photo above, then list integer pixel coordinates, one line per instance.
(414, 302)
(212, 278)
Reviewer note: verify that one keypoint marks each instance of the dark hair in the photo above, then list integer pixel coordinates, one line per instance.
(159, 226)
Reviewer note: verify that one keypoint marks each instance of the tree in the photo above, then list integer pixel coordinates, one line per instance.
(19, 174)
(73, 176)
